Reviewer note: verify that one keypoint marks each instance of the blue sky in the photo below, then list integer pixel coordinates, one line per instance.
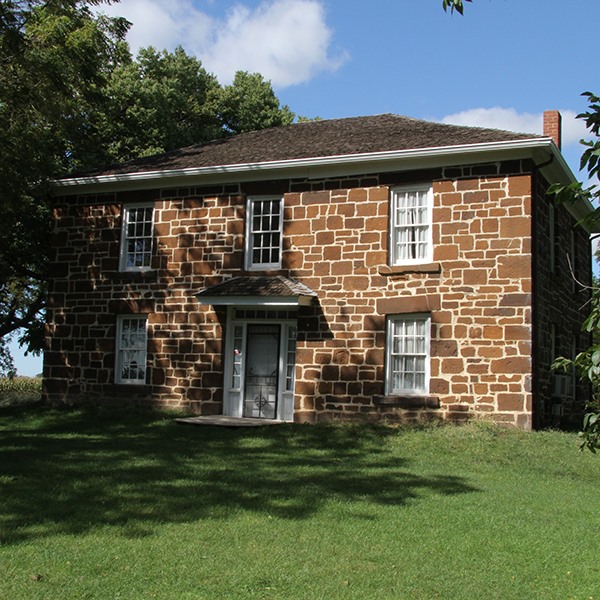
(500, 65)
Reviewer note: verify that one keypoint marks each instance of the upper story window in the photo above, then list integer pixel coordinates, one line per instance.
(132, 344)
(408, 354)
(410, 225)
(136, 238)
(264, 232)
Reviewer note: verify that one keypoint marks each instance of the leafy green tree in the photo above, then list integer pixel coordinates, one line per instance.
(249, 104)
(7, 365)
(158, 102)
(164, 100)
(72, 99)
(55, 57)
(587, 363)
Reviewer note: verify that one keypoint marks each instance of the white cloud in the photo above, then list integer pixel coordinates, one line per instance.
(161, 23)
(573, 129)
(287, 41)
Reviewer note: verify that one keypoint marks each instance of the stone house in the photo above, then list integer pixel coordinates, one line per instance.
(371, 267)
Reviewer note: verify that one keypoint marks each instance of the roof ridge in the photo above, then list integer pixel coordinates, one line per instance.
(343, 136)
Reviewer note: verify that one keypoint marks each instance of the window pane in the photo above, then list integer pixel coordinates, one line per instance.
(291, 360)
(138, 238)
(265, 234)
(410, 226)
(131, 350)
(408, 346)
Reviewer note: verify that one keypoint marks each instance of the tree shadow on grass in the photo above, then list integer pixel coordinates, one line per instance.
(71, 471)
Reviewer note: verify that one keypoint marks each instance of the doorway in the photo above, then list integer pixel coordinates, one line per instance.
(262, 371)
(260, 363)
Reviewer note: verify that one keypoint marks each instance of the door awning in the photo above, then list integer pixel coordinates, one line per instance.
(257, 291)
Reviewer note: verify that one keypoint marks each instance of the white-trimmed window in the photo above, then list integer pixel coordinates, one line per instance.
(410, 225)
(407, 354)
(132, 348)
(264, 232)
(136, 237)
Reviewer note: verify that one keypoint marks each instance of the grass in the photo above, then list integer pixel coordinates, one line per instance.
(131, 505)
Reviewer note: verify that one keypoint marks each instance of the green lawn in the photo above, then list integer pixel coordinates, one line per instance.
(131, 505)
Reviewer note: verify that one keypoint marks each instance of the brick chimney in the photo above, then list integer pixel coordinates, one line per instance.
(552, 126)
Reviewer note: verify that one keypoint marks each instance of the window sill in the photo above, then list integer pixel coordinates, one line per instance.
(148, 275)
(262, 268)
(434, 268)
(133, 387)
(408, 401)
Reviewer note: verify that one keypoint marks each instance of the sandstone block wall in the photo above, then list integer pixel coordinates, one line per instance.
(561, 305)
(479, 290)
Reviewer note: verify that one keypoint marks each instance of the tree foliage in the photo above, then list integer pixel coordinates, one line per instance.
(7, 365)
(158, 102)
(587, 363)
(454, 5)
(55, 58)
(249, 103)
(72, 98)
(590, 159)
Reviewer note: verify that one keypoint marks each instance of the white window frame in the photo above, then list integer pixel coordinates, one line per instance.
(250, 264)
(126, 238)
(395, 228)
(121, 349)
(394, 321)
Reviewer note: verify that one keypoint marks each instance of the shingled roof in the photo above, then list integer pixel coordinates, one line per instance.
(256, 287)
(327, 138)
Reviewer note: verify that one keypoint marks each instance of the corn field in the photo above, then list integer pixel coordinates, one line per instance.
(20, 390)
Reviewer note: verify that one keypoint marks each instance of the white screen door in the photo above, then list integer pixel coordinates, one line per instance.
(262, 371)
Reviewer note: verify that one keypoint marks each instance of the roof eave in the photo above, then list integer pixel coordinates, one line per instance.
(311, 168)
(542, 150)
(234, 300)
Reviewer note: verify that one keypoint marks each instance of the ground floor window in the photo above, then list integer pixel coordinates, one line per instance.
(407, 354)
(132, 345)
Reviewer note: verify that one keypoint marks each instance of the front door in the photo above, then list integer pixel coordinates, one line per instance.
(260, 363)
(262, 371)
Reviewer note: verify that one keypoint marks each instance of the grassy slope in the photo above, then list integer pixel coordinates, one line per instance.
(125, 505)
